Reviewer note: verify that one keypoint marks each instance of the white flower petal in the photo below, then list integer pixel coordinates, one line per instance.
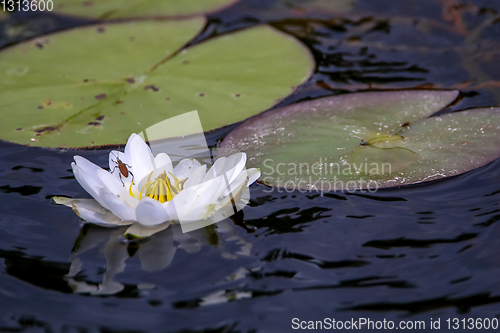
(234, 191)
(65, 201)
(91, 211)
(235, 197)
(140, 157)
(89, 182)
(246, 176)
(196, 176)
(116, 206)
(109, 182)
(213, 188)
(86, 166)
(163, 161)
(217, 216)
(141, 231)
(171, 210)
(129, 200)
(151, 212)
(236, 185)
(234, 165)
(204, 200)
(229, 166)
(233, 168)
(181, 202)
(215, 170)
(218, 186)
(103, 218)
(116, 187)
(185, 168)
(253, 174)
(215, 184)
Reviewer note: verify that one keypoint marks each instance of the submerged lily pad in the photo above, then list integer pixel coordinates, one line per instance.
(122, 78)
(107, 9)
(367, 140)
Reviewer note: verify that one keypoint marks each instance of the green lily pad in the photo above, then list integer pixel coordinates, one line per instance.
(367, 140)
(108, 9)
(122, 78)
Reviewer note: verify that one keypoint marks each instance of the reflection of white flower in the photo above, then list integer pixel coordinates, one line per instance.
(155, 253)
(148, 193)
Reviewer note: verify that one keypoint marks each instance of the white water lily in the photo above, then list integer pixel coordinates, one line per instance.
(148, 193)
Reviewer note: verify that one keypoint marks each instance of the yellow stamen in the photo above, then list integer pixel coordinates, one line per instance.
(130, 190)
(170, 194)
(148, 183)
(161, 188)
(178, 185)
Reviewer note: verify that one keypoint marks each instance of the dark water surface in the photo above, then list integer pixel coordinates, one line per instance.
(424, 251)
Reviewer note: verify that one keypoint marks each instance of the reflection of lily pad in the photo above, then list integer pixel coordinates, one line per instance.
(382, 137)
(105, 9)
(121, 78)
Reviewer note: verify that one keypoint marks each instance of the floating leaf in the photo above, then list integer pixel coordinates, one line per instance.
(107, 9)
(367, 140)
(124, 77)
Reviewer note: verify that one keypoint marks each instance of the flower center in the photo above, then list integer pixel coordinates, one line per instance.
(161, 188)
